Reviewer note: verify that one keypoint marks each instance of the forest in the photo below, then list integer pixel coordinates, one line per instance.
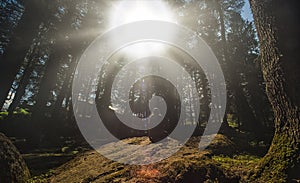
(149, 91)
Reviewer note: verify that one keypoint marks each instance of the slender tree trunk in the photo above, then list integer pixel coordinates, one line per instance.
(225, 57)
(223, 31)
(65, 91)
(20, 91)
(279, 32)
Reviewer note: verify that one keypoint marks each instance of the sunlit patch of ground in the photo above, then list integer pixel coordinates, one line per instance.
(189, 164)
(148, 172)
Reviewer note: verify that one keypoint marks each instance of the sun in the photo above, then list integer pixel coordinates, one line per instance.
(128, 11)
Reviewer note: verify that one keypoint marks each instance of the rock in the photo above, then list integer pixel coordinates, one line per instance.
(12, 166)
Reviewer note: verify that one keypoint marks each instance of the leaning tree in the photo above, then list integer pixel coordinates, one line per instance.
(278, 31)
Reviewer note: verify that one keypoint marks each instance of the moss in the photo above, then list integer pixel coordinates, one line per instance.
(20, 112)
(238, 165)
(279, 159)
(235, 161)
(23, 111)
(232, 120)
(3, 114)
(221, 144)
(43, 178)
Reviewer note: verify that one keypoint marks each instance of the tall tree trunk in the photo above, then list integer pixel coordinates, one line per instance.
(12, 59)
(219, 10)
(20, 90)
(66, 88)
(279, 32)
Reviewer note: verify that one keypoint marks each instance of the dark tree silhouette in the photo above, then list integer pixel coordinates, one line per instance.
(27, 29)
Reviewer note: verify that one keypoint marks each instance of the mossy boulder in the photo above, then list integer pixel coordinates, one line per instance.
(12, 166)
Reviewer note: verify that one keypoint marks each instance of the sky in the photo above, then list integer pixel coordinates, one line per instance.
(246, 13)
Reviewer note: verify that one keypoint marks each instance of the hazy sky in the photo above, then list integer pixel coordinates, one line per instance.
(246, 13)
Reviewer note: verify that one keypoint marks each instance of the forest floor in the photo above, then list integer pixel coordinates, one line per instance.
(224, 160)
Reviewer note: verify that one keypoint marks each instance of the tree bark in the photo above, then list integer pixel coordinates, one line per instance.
(12, 165)
(279, 31)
